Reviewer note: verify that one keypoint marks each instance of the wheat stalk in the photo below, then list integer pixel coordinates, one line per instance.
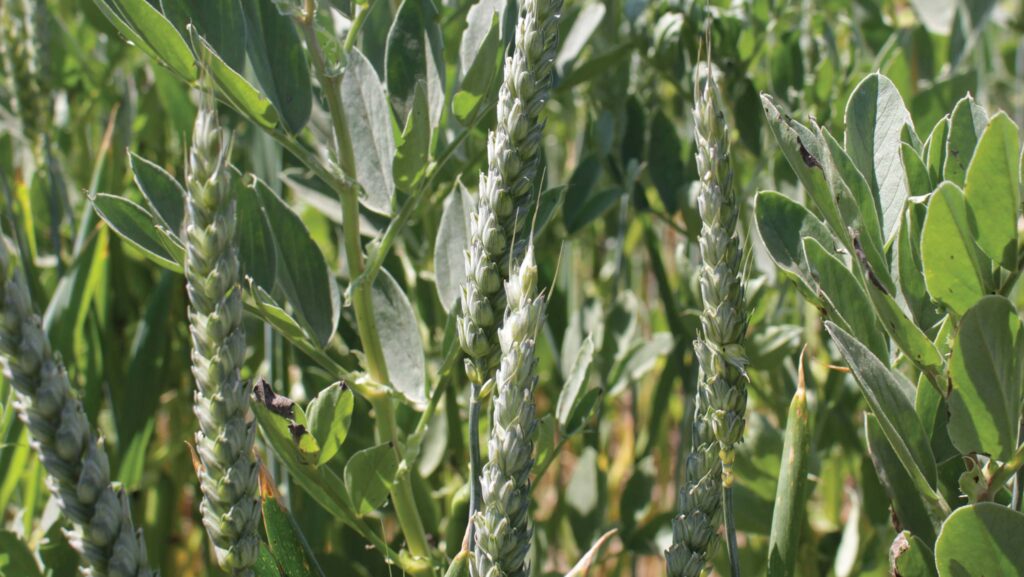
(224, 442)
(721, 399)
(503, 523)
(78, 471)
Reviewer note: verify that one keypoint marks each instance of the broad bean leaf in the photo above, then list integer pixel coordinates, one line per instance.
(243, 96)
(906, 500)
(145, 26)
(576, 381)
(220, 22)
(369, 475)
(16, 558)
(413, 152)
(857, 207)
(986, 373)
(805, 150)
(992, 191)
(875, 117)
(966, 126)
(279, 62)
(330, 415)
(400, 338)
(134, 224)
(935, 150)
(890, 397)
(451, 246)
(782, 224)
(256, 252)
(302, 272)
(368, 117)
(981, 540)
(415, 53)
(845, 296)
(954, 269)
(163, 193)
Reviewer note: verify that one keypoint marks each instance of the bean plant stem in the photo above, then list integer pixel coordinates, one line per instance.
(387, 429)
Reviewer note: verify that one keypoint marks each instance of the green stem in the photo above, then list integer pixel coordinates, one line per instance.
(730, 532)
(387, 429)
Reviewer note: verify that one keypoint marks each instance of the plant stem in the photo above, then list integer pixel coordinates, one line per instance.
(730, 531)
(387, 429)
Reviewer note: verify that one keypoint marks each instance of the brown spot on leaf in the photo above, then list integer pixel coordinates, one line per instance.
(297, 431)
(277, 404)
(809, 158)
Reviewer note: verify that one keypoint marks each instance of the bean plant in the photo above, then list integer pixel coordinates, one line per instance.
(299, 288)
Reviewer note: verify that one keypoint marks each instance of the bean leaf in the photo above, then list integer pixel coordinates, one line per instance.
(369, 127)
(981, 540)
(875, 117)
(953, 269)
(400, 338)
(451, 246)
(992, 191)
(369, 475)
(279, 62)
(330, 415)
(986, 372)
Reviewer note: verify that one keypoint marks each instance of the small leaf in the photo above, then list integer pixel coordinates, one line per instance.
(369, 475)
(330, 415)
(279, 62)
(400, 338)
(965, 128)
(952, 269)
(935, 150)
(369, 127)
(574, 383)
(985, 370)
(135, 225)
(992, 191)
(451, 246)
(981, 540)
(875, 117)
(163, 193)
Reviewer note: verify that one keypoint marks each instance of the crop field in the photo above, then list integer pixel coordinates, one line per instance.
(511, 288)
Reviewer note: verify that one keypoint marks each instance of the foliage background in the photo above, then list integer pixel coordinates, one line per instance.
(617, 253)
